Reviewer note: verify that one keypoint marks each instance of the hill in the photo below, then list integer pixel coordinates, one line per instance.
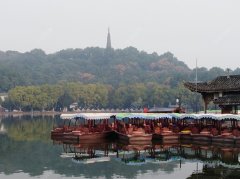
(96, 77)
(96, 65)
(90, 65)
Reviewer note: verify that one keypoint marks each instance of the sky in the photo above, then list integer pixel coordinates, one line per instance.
(206, 30)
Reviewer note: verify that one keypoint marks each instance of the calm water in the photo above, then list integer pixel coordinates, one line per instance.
(27, 151)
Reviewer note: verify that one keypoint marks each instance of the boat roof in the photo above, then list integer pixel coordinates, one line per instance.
(210, 116)
(150, 116)
(88, 116)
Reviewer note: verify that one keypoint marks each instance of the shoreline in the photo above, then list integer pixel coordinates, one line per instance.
(34, 113)
(51, 113)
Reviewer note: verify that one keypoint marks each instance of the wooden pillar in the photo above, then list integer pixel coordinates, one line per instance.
(205, 98)
(205, 106)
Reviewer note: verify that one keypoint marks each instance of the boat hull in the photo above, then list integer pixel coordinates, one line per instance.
(77, 135)
(201, 137)
(135, 137)
(224, 139)
(237, 141)
(166, 137)
(187, 137)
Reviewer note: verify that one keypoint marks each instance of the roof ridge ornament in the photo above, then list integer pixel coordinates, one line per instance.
(228, 72)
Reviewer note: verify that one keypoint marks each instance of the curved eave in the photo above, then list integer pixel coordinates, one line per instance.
(205, 88)
(193, 87)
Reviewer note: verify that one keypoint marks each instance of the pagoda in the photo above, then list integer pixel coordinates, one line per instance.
(223, 91)
(108, 46)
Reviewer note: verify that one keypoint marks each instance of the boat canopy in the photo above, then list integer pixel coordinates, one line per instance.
(67, 116)
(188, 116)
(146, 116)
(151, 116)
(210, 116)
(88, 116)
(155, 116)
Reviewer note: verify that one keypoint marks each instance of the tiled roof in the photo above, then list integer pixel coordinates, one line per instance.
(228, 100)
(219, 84)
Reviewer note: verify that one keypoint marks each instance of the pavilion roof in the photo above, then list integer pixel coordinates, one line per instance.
(219, 84)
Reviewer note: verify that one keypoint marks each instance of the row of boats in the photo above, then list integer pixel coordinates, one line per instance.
(147, 127)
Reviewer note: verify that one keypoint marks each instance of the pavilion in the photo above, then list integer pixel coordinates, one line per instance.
(223, 91)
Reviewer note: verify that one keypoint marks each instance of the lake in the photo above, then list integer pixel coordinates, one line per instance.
(27, 151)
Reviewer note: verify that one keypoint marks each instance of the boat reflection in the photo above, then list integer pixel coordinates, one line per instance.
(154, 153)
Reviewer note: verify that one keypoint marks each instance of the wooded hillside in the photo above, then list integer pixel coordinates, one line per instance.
(127, 77)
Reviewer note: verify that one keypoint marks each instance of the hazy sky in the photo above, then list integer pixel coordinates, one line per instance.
(208, 30)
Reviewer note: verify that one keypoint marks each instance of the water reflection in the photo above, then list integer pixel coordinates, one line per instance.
(26, 151)
(154, 153)
(168, 157)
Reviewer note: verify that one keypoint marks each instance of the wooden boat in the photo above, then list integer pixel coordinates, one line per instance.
(225, 137)
(135, 137)
(185, 135)
(204, 135)
(79, 135)
(165, 135)
(87, 126)
(132, 134)
(140, 127)
(59, 132)
(236, 133)
(131, 129)
(230, 139)
(237, 141)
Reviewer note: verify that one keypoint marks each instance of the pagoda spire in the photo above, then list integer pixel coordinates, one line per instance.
(109, 40)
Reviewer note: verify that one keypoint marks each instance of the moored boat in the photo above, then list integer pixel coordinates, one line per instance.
(138, 127)
(134, 137)
(58, 132)
(88, 126)
(165, 135)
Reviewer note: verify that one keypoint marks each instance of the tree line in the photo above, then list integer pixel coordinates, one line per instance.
(98, 96)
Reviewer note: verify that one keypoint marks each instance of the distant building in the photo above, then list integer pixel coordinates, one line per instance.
(109, 46)
(223, 91)
(2, 128)
(73, 106)
(3, 96)
(170, 109)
